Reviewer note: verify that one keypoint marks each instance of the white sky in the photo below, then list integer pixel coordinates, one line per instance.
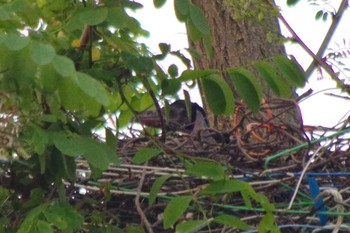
(319, 109)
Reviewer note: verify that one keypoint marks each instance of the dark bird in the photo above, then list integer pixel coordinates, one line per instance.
(177, 117)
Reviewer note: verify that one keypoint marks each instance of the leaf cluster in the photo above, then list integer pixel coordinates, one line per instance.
(219, 186)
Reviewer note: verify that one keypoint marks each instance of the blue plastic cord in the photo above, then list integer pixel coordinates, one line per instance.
(319, 204)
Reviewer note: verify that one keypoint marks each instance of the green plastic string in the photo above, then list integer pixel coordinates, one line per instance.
(306, 144)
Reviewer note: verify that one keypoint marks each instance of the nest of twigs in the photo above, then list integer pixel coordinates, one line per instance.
(306, 179)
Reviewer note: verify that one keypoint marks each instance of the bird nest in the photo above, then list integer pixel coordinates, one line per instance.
(308, 182)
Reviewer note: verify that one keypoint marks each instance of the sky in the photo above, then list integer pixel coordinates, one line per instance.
(319, 108)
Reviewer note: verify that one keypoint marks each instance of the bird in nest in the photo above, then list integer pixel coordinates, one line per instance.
(178, 116)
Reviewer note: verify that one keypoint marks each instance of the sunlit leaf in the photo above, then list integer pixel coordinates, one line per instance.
(247, 87)
(145, 154)
(210, 170)
(95, 54)
(175, 209)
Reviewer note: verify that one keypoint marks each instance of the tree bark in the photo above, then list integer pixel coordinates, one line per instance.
(239, 42)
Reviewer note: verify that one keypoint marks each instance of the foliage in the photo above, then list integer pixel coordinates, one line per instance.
(64, 67)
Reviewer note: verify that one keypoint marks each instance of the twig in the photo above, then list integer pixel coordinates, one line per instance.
(317, 60)
(326, 40)
(137, 203)
(311, 159)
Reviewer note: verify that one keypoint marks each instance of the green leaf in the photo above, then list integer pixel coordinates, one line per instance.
(164, 48)
(232, 221)
(319, 14)
(175, 209)
(39, 139)
(189, 75)
(173, 70)
(247, 87)
(276, 83)
(67, 145)
(133, 229)
(156, 186)
(211, 170)
(325, 16)
(93, 16)
(16, 68)
(145, 154)
(31, 219)
(15, 41)
(47, 79)
(57, 219)
(218, 94)
(292, 2)
(199, 20)
(74, 99)
(41, 53)
(159, 3)
(117, 17)
(98, 155)
(63, 65)
(291, 70)
(193, 33)
(138, 63)
(191, 226)
(43, 227)
(267, 224)
(170, 86)
(182, 9)
(65, 217)
(226, 186)
(92, 88)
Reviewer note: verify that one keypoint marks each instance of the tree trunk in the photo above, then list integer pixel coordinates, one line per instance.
(240, 42)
